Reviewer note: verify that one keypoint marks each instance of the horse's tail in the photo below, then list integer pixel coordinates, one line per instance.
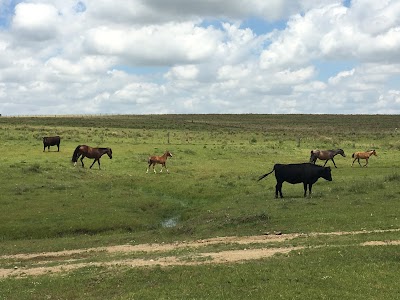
(265, 175)
(76, 154)
(353, 155)
(311, 156)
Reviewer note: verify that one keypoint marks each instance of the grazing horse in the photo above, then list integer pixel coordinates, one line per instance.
(153, 160)
(51, 141)
(363, 155)
(89, 152)
(325, 155)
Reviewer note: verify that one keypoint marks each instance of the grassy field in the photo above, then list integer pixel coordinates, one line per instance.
(47, 204)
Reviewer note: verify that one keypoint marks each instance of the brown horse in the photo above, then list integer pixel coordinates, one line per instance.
(325, 155)
(89, 152)
(153, 160)
(363, 155)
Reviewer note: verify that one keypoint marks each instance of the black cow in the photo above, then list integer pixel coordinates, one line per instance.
(306, 173)
(51, 141)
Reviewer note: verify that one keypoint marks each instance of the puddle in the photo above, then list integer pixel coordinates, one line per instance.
(170, 223)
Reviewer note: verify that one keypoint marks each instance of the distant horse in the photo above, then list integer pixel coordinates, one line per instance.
(51, 141)
(153, 160)
(363, 155)
(325, 155)
(89, 152)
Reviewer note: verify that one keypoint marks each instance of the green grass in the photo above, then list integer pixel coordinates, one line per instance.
(47, 204)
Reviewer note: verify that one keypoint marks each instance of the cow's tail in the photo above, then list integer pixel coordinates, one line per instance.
(265, 175)
(76, 154)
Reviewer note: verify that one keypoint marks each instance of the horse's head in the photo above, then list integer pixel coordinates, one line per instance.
(341, 152)
(168, 154)
(109, 153)
(374, 153)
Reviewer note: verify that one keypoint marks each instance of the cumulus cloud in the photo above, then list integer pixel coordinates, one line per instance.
(35, 21)
(179, 56)
(154, 44)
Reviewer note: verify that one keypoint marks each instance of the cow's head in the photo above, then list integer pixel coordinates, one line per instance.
(326, 174)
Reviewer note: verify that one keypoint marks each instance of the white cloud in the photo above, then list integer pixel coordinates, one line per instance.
(155, 44)
(36, 21)
(187, 72)
(59, 57)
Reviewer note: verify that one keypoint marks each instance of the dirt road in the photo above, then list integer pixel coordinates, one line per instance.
(146, 255)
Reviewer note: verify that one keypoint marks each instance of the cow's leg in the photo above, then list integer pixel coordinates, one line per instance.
(44, 148)
(305, 188)
(58, 147)
(278, 189)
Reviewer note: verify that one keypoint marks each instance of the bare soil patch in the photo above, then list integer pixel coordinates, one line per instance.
(64, 261)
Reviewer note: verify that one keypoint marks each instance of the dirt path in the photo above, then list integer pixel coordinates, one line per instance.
(64, 261)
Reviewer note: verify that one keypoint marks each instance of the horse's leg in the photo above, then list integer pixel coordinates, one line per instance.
(82, 161)
(353, 162)
(358, 159)
(154, 169)
(93, 163)
(333, 162)
(325, 162)
(366, 162)
(76, 160)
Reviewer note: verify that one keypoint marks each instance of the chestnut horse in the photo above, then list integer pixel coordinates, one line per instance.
(363, 155)
(153, 160)
(89, 152)
(325, 155)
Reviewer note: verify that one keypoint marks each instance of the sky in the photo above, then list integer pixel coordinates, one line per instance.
(64, 57)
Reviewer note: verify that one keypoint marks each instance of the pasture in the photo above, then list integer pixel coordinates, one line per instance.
(48, 205)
